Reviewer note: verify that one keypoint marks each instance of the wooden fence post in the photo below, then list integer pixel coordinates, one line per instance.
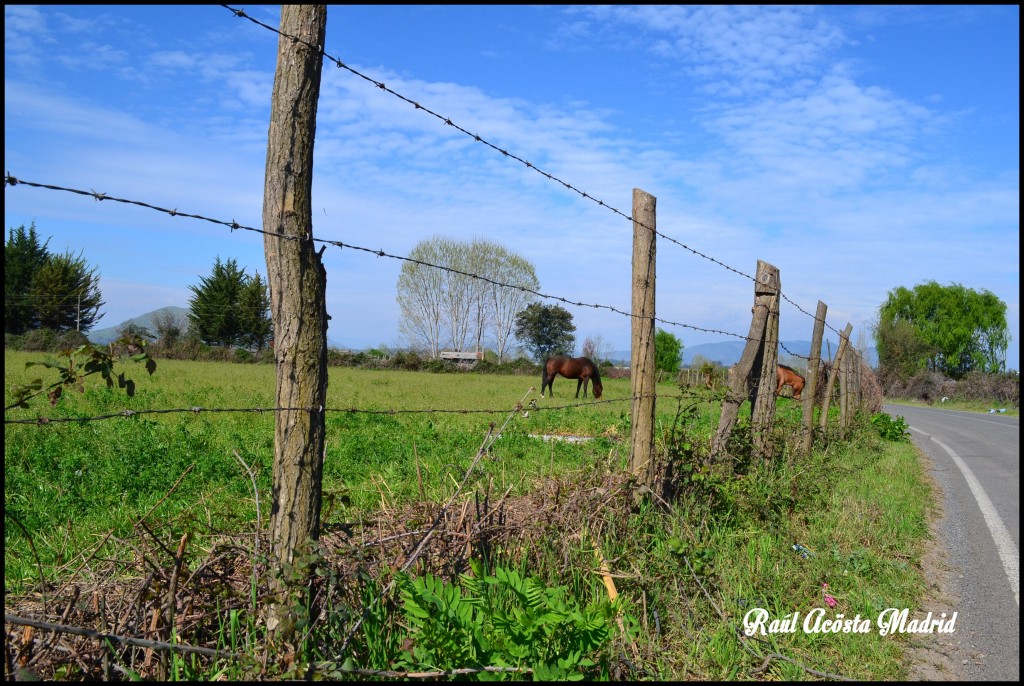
(641, 373)
(858, 389)
(297, 281)
(844, 339)
(811, 387)
(844, 393)
(762, 409)
(766, 299)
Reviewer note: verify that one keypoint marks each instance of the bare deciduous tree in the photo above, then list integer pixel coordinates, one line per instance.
(169, 327)
(448, 307)
(596, 349)
(503, 304)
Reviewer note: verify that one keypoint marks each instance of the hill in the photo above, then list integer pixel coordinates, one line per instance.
(109, 334)
(105, 336)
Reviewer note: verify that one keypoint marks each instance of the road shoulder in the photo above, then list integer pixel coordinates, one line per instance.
(934, 656)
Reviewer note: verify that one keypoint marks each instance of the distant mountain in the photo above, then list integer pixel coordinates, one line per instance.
(108, 335)
(727, 353)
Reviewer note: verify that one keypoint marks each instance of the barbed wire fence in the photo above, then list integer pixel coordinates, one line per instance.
(12, 181)
(232, 225)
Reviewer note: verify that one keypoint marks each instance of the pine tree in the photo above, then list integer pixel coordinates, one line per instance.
(66, 293)
(254, 313)
(23, 256)
(230, 307)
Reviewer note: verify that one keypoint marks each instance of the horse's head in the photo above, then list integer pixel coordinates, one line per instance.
(598, 387)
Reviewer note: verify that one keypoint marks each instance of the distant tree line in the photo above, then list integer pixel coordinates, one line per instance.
(60, 293)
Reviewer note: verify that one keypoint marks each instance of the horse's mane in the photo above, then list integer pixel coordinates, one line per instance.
(791, 369)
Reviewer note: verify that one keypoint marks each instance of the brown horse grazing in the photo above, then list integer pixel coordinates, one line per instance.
(788, 377)
(581, 368)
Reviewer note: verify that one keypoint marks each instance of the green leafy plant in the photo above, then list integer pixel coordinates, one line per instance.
(891, 429)
(505, 620)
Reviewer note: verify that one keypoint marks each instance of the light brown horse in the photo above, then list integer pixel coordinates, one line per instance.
(788, 377)
(581, 368)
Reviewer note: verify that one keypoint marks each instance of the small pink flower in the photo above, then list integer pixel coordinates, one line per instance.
(829, 600)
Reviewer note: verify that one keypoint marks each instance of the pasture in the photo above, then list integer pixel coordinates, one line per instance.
(688, 570)
(66, 482)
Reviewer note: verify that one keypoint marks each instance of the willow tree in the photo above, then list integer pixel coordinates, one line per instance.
(953, 329)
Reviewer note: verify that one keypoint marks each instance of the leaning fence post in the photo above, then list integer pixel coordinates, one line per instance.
(811, 388)
(641, 373)
(765, 302)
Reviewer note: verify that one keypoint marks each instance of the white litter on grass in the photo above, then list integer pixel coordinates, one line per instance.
(568, 439)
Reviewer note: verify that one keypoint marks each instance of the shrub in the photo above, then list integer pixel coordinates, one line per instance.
(503, 620)
(891, 429)
(39, 340)
(69, 340)
(1003, 388)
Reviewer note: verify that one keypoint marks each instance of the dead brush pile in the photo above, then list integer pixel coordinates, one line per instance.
(112, 619)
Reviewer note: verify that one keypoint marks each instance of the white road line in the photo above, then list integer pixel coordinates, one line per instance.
(1008, 552)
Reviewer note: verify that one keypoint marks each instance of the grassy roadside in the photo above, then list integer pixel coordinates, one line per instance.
(860, 512)
(687, 571)
(961, 405)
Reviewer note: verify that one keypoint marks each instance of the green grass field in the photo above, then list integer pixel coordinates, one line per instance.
(688, 572)
(69, 480)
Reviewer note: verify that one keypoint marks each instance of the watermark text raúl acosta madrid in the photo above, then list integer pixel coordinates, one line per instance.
(759, 622)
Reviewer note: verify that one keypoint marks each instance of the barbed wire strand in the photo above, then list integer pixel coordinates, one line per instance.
(129, 413)
(14, 181)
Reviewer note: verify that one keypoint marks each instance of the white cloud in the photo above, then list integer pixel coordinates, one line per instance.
(796, 160)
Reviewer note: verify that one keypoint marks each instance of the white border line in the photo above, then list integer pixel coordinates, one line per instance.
(1008, 552)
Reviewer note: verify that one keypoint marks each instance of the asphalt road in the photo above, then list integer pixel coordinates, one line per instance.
(976, 460)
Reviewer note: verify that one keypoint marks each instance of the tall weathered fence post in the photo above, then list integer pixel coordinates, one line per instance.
(641, 373)
(766, 305)
(297, 281)
(811, 387)
(844, 339)
(762, 410)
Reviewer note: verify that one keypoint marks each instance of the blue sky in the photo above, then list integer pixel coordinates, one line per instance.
(857, 148)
